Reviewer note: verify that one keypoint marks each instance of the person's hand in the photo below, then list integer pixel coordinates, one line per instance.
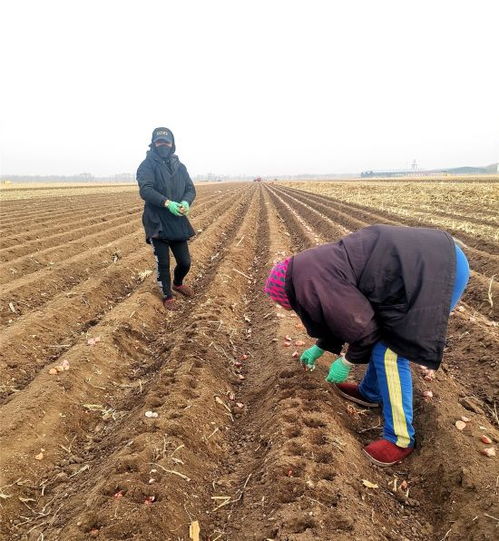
(338, 371)
(173, 207)
(309, 356)
(184, 207)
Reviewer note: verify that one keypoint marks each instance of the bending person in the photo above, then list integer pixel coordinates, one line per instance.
(386, 291)
(168, 192)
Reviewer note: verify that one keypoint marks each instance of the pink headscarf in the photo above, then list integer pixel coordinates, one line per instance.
(274, 287)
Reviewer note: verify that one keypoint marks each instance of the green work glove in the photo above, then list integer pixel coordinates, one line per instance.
(309, 356)
(338, 371)
(173, 207)
(186, 206)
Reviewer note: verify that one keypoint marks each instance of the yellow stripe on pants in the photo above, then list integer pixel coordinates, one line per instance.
(395, 394)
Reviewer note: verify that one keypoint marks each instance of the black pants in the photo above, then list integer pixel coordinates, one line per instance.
(180, 251)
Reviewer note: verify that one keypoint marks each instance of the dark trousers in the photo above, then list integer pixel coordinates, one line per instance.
(180, 250)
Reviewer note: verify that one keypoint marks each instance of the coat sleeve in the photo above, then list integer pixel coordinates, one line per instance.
(190, 190)
(145, 179)
(359, 352)
(349, 315)
(325, 339)
(331, 344)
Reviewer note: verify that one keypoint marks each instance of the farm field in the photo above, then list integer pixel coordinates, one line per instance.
(244, 442)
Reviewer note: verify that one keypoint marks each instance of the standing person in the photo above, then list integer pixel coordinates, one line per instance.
(168, 192)
(387, 291)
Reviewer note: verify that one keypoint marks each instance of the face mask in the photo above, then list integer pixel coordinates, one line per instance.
(164, 152)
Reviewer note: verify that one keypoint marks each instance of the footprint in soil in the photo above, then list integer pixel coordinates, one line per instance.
(286, 393)
(314, 422)
(289, 490)
(311, 406)
(295, 449)
(323, 471)
(91, 524)
(291, 386)
(288, 374)
(301, 524)
(293, 432)
(293, 404)
(317, 438)
(293, 468)
(192, 382)
(189, 393)
(170, 380)
(323, 457)
(154, 402)
(290, 417)
(128, 463)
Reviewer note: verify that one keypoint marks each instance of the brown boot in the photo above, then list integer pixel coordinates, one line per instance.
(350, 391)
(184, 290)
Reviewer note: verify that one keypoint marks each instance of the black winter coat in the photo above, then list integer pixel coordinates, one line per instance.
(160, 180)
(381, 283)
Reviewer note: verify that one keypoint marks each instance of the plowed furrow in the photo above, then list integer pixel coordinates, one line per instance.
(77, 199)
(243, 440)
(484, 262)
(178, 366)
(300, 232)
(287, 462)
(475, 298)
(31, 227)
(47, 209)
(51, 249)
(314, 432)
(314, 218)
(383, 216)
(43, 336)
(482, 288)
(43, 259)
(33, 247)
(456, 217)
(36, 289)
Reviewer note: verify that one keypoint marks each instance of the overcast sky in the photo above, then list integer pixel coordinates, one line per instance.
(257, 87)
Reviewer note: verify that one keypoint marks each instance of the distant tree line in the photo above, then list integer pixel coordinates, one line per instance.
(79, 178)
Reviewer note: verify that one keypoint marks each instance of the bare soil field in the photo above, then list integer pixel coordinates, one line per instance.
(237, 439)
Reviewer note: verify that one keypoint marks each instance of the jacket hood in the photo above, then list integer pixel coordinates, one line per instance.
(173, 163)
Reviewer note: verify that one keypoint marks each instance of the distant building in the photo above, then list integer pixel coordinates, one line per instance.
(391, 173)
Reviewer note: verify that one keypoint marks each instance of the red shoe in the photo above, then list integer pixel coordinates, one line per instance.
(385, 453)
(350, 391)
(184, 290)
(170, 304)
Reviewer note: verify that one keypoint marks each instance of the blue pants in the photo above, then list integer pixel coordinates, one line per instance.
(388, 376)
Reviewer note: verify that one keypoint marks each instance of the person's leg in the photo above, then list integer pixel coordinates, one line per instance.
(395, 387)
(162, 255)
(462, 277)
(366, 393)
(183, 258)
(368, 387)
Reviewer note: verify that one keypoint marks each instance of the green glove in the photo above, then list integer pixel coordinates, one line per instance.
(309, 356)
(173, 208)
(338, 371)
(186, 206)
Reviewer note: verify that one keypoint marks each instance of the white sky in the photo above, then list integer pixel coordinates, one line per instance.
(257, 87)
